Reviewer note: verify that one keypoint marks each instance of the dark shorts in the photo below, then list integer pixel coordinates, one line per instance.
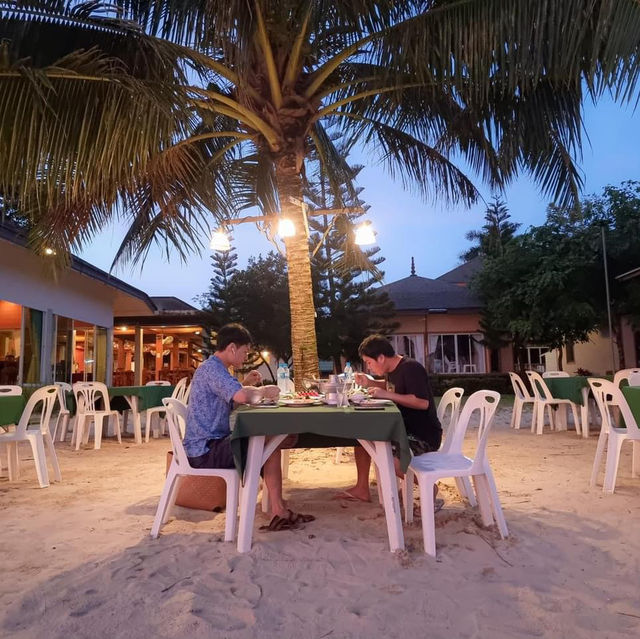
(417, 446)
(219, 455)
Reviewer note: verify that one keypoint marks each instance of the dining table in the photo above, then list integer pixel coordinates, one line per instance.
(258, 432)
(134, 398)
(576, 389)
(11, 407)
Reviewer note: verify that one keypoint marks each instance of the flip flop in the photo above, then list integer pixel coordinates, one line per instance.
(299, 518)
(279, 523)
(437, 505)
(347, 496)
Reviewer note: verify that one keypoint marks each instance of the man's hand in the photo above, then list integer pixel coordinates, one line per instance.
(252, 378)
(362, 379)
(379, 393)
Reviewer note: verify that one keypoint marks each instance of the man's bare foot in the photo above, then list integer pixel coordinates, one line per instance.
(353, 494)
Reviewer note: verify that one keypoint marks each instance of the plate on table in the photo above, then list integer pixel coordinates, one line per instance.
(372, 403)
(303, 401)
(265, 405)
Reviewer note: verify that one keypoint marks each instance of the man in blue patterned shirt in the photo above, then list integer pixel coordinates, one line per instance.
(207, 439)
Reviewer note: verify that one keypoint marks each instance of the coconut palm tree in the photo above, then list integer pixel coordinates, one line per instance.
(164, 112)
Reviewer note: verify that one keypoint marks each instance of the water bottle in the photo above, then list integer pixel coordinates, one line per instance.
(287, 377)
(348, 372)
(282, 378)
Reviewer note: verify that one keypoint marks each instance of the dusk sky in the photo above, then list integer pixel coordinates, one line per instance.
(432, 233)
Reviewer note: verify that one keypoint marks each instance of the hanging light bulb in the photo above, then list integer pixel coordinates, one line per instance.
(220, 240)
(364, 234)
(286, 228)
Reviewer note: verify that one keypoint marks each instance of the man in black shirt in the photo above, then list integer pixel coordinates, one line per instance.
(407, 385)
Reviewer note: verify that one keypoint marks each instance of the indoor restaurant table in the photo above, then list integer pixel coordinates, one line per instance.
(318, 426)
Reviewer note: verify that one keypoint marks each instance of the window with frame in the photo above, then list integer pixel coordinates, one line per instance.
(409, 346)
(456, 353)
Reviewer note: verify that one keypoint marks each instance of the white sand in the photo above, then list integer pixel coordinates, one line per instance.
(76, 559)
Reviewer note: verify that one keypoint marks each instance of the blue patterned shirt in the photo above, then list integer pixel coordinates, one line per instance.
(210, 405)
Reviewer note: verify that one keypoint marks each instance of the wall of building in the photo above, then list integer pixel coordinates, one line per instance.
(27, 280)
(594, 356)
(629, 344)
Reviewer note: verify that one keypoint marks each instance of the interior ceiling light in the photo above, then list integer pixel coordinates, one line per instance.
(364, 234)
(220, 241)
(286, 228)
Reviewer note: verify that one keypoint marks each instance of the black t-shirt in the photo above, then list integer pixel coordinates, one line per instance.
(410, 378)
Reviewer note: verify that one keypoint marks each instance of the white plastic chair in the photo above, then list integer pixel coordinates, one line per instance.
(609, 396)
(179, 393)
(5, 391)
(179, 468)
(552, 374)
(37, 437)
(431, 467)
(64, 414)
(628, 375)
(87, 395)
(522, 397)
(545, 400)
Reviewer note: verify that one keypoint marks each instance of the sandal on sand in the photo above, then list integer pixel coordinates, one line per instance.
(299, 518)
(437, 505)
(278, 523)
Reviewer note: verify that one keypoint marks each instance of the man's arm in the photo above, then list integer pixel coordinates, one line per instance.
(366, 381)
(410, 401)
(242, 396)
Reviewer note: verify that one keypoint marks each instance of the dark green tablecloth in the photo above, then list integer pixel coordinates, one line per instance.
(632, 395)
(320, 426)
(567, 387)
(11, 407)
(148, 397)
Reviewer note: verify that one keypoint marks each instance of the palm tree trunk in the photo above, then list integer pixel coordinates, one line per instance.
(303, 315)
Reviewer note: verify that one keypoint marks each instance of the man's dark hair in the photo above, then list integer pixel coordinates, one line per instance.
(233, 334)
(376, 345)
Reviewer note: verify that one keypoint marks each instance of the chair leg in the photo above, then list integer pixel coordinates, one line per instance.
(147, 428)
(116, 416)
(484, 499)
(466, 491)
(37, 446)
(516, 414)
(428, 517)
(231, 522)
(377, 474)
(285, 463)
(48, 440)
(534, 408)
(602, 442)
(580, 424)
(78, 430)
(496, 506)
(163, 505)
(407, 495)
(98, 421)
(540, 418)
(172, 498)
(613, 458)
(13, 462)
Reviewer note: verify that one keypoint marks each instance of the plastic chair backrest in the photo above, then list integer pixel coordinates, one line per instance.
(607, 395)
(63, 389)
(547, 374)
(88, 393)
(5, 391)
(626, 374)
(519, 389)
(161, 382)
(540, 389)
(180, 390)
(449, 402)
(485, 402)
(634, 379)
(176, 420)
(48, 396)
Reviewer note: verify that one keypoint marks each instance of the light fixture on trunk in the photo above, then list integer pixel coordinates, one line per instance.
(364, 234)
(286, 228)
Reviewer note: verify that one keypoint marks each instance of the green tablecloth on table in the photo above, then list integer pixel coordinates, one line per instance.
(632, 395)
(11, 407)
(148, 397)
(567, 387)
(320, 426)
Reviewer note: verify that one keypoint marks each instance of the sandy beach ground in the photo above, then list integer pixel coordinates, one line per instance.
(77, 561)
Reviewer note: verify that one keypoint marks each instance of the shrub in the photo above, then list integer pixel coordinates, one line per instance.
(498, 382)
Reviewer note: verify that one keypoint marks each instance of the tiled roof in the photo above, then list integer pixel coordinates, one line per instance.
(170, 304)
(462, 274)
(415, 293)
